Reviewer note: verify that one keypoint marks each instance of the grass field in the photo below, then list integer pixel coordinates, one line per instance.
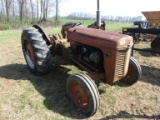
(110, 25)
(24, 96)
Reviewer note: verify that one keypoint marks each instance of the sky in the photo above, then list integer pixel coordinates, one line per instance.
(110, 7)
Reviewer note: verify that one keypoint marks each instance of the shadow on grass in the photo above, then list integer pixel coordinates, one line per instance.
(51, 86)
(126, 115)
(149, 75)
(147, 54)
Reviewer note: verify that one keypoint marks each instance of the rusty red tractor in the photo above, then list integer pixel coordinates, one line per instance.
(102, 54)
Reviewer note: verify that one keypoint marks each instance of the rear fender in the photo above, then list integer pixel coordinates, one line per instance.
(44, 35)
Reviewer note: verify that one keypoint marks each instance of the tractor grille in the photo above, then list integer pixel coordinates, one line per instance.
(120, 63)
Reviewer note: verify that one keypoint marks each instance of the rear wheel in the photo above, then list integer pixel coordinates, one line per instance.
(36, 51)
(134, 72)
(155, 44)
(84, 93)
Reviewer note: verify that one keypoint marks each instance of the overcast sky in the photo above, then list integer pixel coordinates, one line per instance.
(110, 7)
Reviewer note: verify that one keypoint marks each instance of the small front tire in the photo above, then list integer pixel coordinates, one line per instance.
(134, 72)
(84, 93)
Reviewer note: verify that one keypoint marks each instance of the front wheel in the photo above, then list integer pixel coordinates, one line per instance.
(84, 93)
(36, 51)
(134, 72)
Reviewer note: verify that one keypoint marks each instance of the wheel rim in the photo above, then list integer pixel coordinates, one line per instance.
(79, 95)
(29, 54)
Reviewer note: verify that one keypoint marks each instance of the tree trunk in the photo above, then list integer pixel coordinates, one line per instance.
(7, 5)
(3, 9)
(21, 8)
(44, 11)
(13, 11)
(13, 14)
(37, 8)
(26, 11)
(32, 9)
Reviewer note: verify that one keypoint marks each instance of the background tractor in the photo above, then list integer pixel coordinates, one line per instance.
(146, 31)
(102, 54)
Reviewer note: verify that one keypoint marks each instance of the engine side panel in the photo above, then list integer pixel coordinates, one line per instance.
(116, 49)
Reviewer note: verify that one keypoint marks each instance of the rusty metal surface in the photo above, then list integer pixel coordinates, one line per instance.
(97, 76)
(110, 43)
(60, 46)
(105, 39)
(94, 25)
(112, 65)
(30, 51)
(66, 26)
(153, 17)
(78, 94)
(54, 38)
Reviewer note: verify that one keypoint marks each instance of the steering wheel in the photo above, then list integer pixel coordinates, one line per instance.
(76, 24)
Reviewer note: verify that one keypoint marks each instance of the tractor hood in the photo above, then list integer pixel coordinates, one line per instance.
(99, 38)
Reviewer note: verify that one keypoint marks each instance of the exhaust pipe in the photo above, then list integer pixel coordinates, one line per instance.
(98, 14)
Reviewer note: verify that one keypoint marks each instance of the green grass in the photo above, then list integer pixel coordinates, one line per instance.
(84, 22)
(110, 25)
(117, 25)
(16, 34)
(26, 96)
(9, 35)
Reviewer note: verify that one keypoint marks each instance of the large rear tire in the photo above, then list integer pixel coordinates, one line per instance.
(134, 72)
(35, 51)
(84, 93)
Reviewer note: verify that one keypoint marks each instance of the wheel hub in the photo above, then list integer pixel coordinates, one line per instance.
(30, 51)
(79, 95)
(29, 54)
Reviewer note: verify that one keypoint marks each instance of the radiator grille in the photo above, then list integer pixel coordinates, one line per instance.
(120, 62)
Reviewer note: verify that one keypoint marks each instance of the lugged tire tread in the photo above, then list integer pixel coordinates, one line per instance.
(41, 51)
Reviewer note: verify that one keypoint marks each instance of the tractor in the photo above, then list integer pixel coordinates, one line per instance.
(104, 55)
(146, 31)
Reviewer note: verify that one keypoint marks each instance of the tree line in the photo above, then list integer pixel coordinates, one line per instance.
(18, 12)
(88, 16)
